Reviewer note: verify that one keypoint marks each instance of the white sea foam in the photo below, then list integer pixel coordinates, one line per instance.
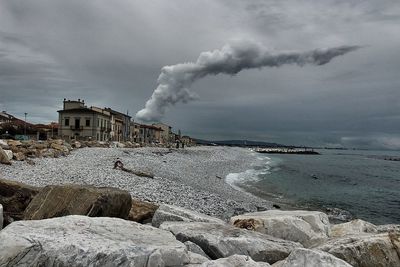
(262, 166)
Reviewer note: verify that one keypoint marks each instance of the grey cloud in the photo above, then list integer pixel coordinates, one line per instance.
(175, 80)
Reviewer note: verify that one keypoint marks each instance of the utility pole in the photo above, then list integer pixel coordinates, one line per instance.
(25, 125)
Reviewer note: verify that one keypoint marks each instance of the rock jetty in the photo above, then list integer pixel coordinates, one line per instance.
(72, 234)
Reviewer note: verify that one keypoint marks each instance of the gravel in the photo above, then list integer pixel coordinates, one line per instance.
(192, 178)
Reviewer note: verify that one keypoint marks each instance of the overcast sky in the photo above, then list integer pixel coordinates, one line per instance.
(110, 53)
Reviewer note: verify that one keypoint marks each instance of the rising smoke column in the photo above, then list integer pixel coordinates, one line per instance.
(174, 81)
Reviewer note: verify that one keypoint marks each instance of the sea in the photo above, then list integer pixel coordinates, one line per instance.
(364, 183)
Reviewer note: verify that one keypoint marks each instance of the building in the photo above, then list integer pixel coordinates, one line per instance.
(47, 131)
(149, 134)
(166, 136)
(120, 125)
(77, 121)
(135, 132)
(5, 117)
(187, 140)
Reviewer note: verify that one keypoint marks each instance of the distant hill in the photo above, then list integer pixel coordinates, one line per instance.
(243, 143)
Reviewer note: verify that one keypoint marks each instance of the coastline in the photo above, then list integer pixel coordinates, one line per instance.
(192, 178)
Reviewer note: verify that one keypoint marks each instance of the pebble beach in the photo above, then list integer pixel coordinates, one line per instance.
(193, 177)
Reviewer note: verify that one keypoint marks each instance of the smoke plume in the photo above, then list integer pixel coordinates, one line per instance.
(174, 81)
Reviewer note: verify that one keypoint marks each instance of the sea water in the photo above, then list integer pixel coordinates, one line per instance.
(365, 183)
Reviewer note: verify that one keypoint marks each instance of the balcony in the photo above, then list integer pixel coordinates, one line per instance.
(76, 128)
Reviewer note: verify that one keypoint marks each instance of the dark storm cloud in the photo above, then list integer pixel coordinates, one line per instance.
(110, 54)
(175, 81)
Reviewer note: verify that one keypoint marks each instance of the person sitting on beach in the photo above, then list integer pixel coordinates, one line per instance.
(118, 164)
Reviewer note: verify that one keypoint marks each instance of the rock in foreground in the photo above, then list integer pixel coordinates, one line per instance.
(166, 213)
(61, 200)
(366, 250)
(83, 241)
(220, 241)
(305, 227)
(15, 198)
(142, 211)
(353, 227)
(306, 258)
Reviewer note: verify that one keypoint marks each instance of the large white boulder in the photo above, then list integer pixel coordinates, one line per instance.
(352, 228)
(1, 216)
(303, 257)
(366, 250)
(5, 156)
(167, 213)
(222, 240)
(87, 241)
(306, 227)
(233, 261)
(9, 154)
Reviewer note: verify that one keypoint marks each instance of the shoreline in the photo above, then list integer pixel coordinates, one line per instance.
(192, 178)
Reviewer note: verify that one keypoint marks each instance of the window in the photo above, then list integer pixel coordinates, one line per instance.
(87, 122)
(77, 123)
(66, 121)
(98, 124)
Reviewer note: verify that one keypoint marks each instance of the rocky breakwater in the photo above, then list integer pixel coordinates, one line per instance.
(61, 235)
(27, 150)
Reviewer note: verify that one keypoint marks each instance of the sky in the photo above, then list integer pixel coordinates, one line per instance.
(110, 53)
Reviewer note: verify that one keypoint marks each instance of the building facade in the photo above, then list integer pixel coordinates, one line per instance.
(149, 134)
(5, 117)
(120, 125)
(77, 121)
(135, 132)
(165, 135)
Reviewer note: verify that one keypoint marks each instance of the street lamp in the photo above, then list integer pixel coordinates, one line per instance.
(25, 125)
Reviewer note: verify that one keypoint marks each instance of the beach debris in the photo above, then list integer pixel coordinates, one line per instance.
(119, 165)
(249, 224)
(61, 200)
